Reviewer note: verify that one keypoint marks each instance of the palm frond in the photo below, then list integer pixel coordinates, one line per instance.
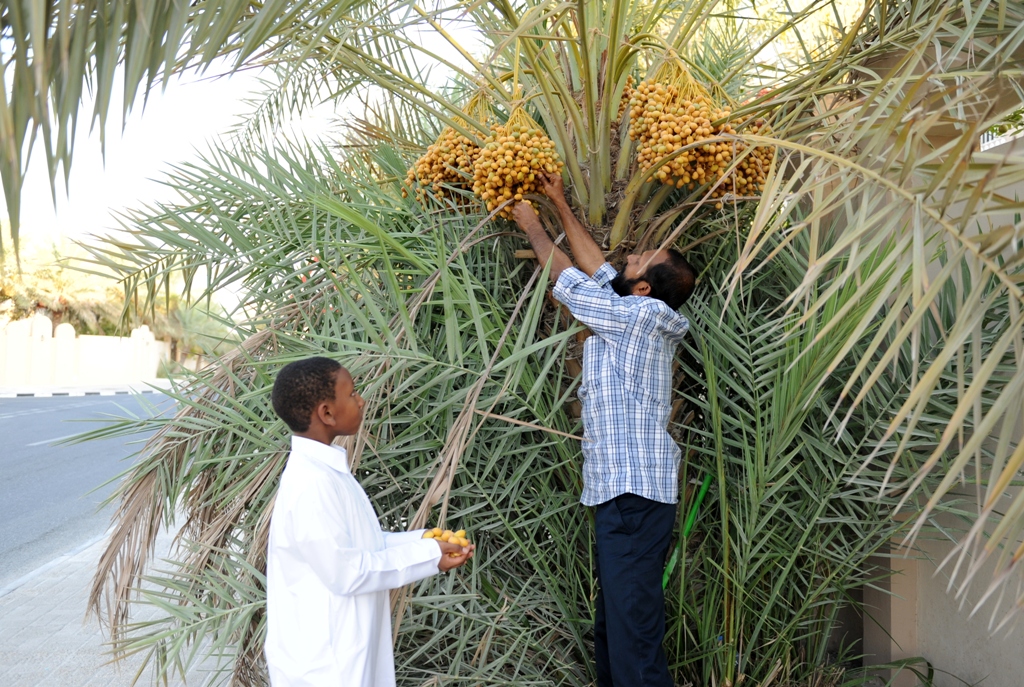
(53, 53)
(855, 359)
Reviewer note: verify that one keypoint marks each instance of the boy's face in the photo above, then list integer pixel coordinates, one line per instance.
(348, 404)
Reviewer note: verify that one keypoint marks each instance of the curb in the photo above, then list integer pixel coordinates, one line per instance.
(28, 577)
(147, 387)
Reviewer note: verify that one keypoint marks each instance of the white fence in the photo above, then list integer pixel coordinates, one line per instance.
(32, 353)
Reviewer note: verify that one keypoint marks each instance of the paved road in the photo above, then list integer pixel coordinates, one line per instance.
(47, 506)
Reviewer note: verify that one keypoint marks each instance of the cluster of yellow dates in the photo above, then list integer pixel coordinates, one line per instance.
(458, 537)
(511, 161)
(505, 169)
(690, 140)
(686, 137)
(447, 164)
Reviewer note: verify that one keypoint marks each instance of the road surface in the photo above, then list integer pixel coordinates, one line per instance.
(50, 495)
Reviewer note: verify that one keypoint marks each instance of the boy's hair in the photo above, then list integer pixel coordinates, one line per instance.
(671, 281)
(300, 387)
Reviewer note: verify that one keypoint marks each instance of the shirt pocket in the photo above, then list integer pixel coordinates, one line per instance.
(590, 389)
(589, 383)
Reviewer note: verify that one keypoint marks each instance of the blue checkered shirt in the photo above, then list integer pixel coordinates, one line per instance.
(626, 390)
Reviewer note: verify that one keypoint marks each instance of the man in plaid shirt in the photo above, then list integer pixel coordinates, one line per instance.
(630, 462)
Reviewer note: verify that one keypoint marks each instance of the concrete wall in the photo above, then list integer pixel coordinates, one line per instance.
(914, 614)
(957, 642)
(891, 618)
(33, 353)
(919, 617)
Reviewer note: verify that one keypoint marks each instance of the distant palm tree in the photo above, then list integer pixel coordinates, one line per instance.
(854, 353)
(44, 284)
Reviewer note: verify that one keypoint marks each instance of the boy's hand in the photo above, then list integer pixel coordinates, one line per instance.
(463, 554)
(525, 216)
(553, 186)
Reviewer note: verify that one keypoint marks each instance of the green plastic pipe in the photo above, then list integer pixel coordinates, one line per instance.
(691, 518)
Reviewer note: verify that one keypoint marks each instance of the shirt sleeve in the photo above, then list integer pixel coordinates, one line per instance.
(593, 302)
(671, 324)
(343, 567)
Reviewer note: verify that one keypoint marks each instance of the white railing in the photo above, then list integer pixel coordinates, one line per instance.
(990, 140)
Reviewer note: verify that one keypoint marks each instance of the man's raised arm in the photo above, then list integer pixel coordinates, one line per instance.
(527, 219)
(588, 254)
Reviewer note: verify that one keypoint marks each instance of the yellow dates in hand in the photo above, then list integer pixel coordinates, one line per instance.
(458, 537)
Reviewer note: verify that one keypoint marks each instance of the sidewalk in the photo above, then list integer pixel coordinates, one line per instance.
(45, 640)
(144, 387)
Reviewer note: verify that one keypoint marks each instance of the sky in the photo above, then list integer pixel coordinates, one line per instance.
(174, 127)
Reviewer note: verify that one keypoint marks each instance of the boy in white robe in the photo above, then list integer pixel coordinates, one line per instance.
(329, 564)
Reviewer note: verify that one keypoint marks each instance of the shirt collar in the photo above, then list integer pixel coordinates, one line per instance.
(334, 457)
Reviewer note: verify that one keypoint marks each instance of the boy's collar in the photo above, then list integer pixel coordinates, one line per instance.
(332, 456)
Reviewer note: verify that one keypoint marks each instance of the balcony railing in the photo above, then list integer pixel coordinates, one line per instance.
(991, 140)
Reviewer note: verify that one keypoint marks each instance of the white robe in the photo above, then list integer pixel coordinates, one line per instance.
(329, 569)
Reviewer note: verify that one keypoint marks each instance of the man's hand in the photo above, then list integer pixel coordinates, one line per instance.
(553, 187)
(587, 253)
(528, 220)
(448, 562)
(525, 216)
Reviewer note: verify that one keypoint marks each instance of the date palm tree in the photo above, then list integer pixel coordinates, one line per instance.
(852, 372)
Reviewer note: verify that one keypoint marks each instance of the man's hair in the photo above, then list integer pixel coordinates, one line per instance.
(300, 387)
(671, 281)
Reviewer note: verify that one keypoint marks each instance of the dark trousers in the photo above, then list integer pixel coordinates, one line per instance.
(629, 626)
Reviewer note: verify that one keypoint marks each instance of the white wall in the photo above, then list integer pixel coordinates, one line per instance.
(33, 353)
